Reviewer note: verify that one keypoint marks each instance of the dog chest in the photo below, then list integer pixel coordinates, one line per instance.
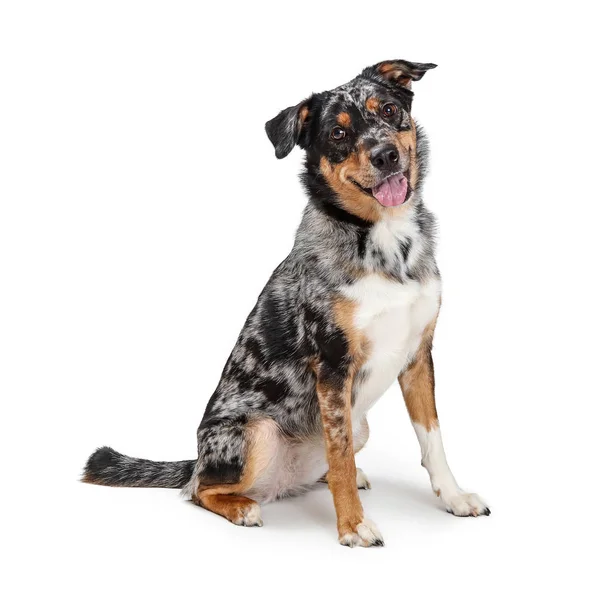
(392, 317)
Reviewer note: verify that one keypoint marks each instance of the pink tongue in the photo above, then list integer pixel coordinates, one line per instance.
(391, 191)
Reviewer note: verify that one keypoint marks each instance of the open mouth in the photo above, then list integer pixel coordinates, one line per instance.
(394, 190)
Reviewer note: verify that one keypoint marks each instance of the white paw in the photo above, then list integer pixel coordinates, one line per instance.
(250, 517)
(362, 483)
(465, 505)
(366, 535)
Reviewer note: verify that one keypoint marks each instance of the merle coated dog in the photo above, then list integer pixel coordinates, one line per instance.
(350, 310)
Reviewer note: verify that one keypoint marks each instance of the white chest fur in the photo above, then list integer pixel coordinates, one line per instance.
(392, 316)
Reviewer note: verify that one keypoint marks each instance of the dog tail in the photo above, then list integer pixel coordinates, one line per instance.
(108, 467)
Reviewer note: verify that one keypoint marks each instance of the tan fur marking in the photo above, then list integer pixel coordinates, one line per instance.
(344, 119)
(418, 383)
(407, 141)
(344, 311)
(372, 104)
(353, 199)
(394, 72)
(387, 68)
(227, 500)
(233, 508)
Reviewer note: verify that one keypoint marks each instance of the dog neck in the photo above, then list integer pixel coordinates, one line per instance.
(399, 246)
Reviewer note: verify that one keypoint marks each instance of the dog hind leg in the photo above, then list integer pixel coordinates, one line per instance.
(227, 451)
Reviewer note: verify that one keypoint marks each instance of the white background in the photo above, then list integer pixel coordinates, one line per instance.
(142, 211)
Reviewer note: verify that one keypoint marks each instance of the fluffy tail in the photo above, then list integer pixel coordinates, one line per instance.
(108, 467)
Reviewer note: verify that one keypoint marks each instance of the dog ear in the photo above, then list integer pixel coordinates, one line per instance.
(399, 72)
(285, 129)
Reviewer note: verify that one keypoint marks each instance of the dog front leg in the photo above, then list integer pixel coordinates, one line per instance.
(334, 394)
(418, 385)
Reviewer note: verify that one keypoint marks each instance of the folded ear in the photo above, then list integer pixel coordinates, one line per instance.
(398, 72)
(285, 129)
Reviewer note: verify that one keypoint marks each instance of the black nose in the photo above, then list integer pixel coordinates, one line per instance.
(384, 158)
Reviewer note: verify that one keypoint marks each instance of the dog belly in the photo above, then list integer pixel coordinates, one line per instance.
(295, 466)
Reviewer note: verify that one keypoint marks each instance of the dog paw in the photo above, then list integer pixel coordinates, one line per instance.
(466, 505)
(362, 483)
(366, 534)
(249, 516)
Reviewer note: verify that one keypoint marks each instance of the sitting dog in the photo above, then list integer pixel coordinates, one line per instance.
(351, 309)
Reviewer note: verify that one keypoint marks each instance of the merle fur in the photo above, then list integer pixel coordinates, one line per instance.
(268, 373)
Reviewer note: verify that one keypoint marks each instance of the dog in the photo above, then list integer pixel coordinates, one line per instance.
(350, 310)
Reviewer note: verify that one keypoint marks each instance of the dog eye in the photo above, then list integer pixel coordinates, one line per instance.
(337, 133)
(389, 110)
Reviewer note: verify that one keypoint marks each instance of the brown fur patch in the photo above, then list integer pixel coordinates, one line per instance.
(394, 72)
(344, 312)
(418, 383)
(387, 68)
(344, 119)
(372, 104)
(233, 508)
(407, 142)
(353, 199)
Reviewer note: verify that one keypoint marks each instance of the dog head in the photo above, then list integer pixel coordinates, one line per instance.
(360, 141)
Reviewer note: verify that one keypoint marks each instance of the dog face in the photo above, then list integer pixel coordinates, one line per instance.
(360, 140)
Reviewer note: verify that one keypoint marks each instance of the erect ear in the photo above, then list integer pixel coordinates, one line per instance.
(399, 72)
(285, 129)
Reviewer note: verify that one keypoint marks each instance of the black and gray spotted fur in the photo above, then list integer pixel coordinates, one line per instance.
(268, 373)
